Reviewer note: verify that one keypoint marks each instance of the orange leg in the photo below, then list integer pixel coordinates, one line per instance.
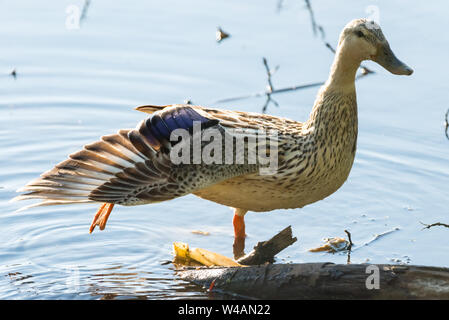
(101, 217)
(239, 226)
(239, 233)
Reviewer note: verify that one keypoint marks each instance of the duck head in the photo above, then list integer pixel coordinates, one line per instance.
(363, 39)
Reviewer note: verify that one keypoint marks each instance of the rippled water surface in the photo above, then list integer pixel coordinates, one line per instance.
(73, 86)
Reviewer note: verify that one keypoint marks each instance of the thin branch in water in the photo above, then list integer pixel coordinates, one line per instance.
(349, 246)
(270, 88)
(312, 17)
(282, 90)
(378, 236)
(428, 226)
(349, 239)
(322, 32)
(279, 5)
(267, 102)
(269, 74)
(316, 26)
(328, 45)
(84, 12)
(260, 94)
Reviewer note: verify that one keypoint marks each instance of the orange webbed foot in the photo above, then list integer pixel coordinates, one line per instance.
(101, 217)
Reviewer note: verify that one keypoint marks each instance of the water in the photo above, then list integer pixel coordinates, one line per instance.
(73, 86)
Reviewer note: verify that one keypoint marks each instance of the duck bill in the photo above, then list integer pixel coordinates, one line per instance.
(388, 60)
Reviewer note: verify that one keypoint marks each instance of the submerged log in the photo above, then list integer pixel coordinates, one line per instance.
(261, 279)
(325, 281)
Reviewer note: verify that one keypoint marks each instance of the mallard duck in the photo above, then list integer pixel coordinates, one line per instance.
(314, 158)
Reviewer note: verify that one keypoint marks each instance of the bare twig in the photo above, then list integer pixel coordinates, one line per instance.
(266, 250)
(267, 102)
(282, 90)
(317, 27)
(270, 88)
(279, 5)
(260, 94)
(428, 226)
(269, 73)
(328, 45)
(312, 17)
(84, 12)
(349, 239)
(322, 32)
(349, 246)
(378, 236)
(271, 91)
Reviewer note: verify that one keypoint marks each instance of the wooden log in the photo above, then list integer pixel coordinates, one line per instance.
(266, 250)
(325, 281)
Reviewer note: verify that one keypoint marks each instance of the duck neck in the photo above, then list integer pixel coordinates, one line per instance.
(336, 100)
(344, 69)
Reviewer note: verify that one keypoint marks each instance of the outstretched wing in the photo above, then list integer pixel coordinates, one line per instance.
(131, 167)
(236, 119)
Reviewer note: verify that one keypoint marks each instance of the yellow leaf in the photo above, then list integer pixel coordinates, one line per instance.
(203, 256)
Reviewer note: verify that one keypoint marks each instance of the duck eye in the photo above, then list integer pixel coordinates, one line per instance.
(359, 34)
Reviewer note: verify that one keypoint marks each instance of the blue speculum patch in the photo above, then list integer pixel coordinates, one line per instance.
(160, 126)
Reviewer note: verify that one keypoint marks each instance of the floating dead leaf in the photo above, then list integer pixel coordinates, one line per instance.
(203, 256)
(220, 35)
(332, 245)
(203, 233)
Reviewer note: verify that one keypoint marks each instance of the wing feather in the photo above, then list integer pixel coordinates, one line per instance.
(130, 167)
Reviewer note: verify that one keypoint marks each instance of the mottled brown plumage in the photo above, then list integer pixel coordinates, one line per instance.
(134, 166)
